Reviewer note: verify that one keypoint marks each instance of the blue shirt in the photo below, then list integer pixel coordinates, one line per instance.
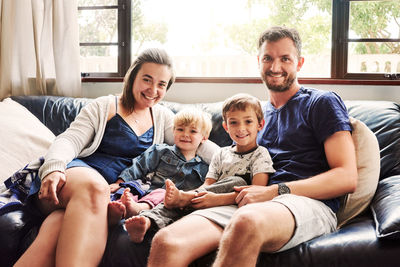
(117, 148)
(294, 135)
(160, 162)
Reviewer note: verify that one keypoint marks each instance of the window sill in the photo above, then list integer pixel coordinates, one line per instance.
(254, 80)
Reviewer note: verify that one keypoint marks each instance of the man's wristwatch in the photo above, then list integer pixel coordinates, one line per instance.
(283, 189)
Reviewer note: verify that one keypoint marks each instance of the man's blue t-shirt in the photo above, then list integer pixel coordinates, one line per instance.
(295, 134)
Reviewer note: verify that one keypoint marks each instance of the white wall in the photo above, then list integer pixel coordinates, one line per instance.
(212, 92)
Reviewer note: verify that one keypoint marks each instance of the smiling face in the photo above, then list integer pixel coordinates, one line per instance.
(243, 126)
(279, 63)
(150, 84)
(188, 138)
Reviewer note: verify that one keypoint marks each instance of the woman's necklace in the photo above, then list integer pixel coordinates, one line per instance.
(136, 115)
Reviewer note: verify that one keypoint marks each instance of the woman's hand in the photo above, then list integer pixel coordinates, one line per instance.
(254, 193)
(51, 185)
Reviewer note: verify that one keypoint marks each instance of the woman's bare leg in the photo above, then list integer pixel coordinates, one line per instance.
(42, 251)
(195, 232)
(83, 234)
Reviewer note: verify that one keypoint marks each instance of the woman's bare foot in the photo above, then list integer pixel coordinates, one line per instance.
(116, 211)
(137, 227)
(132, 207)
(175, 198)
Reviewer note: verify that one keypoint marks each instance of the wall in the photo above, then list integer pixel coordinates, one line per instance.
(211, 92)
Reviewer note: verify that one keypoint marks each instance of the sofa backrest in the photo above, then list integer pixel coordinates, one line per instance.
(382, 117)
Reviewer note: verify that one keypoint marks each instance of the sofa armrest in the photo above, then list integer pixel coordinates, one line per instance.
(385, 208)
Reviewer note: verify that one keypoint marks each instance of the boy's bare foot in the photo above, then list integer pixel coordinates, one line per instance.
(175, 198)
(137, 227)
(116, 211)
(132, 207)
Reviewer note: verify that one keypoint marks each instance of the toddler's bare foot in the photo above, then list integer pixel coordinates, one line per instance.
(116, 211)
(132, 207)
(175, 198)
(137, 227)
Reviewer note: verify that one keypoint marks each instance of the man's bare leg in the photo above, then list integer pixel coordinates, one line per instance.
(195, 232)
(42, 252)
(175, 198)
(137, 227)
(265, 226)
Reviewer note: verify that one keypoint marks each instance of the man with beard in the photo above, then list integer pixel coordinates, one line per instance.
(308, 135)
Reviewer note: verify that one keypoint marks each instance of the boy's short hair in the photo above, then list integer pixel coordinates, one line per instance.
(194, 116)
(241, 102)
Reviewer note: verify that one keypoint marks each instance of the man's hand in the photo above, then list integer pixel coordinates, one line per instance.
(254, 193)
(51, 185)
(204, 200)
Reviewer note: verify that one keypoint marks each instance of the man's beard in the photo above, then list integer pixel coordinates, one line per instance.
(284, 86)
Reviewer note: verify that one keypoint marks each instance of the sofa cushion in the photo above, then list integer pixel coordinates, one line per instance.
(23, 137)
(368, 166)
(385, 208)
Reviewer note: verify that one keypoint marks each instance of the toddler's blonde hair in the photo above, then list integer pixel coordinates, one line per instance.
(196, 117)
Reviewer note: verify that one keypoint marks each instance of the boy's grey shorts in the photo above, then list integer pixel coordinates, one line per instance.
(313, 218)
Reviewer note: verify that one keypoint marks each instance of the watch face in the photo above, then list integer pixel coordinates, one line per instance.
(283, 189)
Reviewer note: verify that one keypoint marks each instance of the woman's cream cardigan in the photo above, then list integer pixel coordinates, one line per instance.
(85, 133)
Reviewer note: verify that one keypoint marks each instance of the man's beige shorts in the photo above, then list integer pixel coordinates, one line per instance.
(313, 218)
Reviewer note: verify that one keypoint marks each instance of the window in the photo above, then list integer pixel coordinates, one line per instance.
(343, 39)
(104, 37)
(368, 39)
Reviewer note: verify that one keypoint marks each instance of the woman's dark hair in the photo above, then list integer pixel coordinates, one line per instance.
(151, 55)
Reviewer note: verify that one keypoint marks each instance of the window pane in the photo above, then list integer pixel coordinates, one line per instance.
(374, 19)
(99, 59)
(99, 25)
(211, 38)
(97, 2)
(374, 57)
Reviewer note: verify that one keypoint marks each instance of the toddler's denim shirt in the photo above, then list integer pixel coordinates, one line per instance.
(160, 162)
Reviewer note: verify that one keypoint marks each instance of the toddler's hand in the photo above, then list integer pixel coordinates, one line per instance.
(114, 187)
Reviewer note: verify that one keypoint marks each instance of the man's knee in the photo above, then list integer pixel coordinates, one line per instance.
(164, 240)
(245, 221)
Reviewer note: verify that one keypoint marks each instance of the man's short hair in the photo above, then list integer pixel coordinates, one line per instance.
(277, 33)
(196, 117)
(241, 102)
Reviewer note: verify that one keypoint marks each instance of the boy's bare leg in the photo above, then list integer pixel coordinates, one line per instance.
(264, 226)
(175, 198)
(116, 211)
(137, 227)
(42, 252)
(195, 232)
(132, 207)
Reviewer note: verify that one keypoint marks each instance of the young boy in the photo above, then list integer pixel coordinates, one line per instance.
(245, 160)
(146, 177)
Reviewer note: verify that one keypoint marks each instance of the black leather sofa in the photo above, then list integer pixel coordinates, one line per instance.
(370, 239)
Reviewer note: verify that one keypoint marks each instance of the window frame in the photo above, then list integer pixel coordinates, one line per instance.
(340, 41)
(124, 40)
